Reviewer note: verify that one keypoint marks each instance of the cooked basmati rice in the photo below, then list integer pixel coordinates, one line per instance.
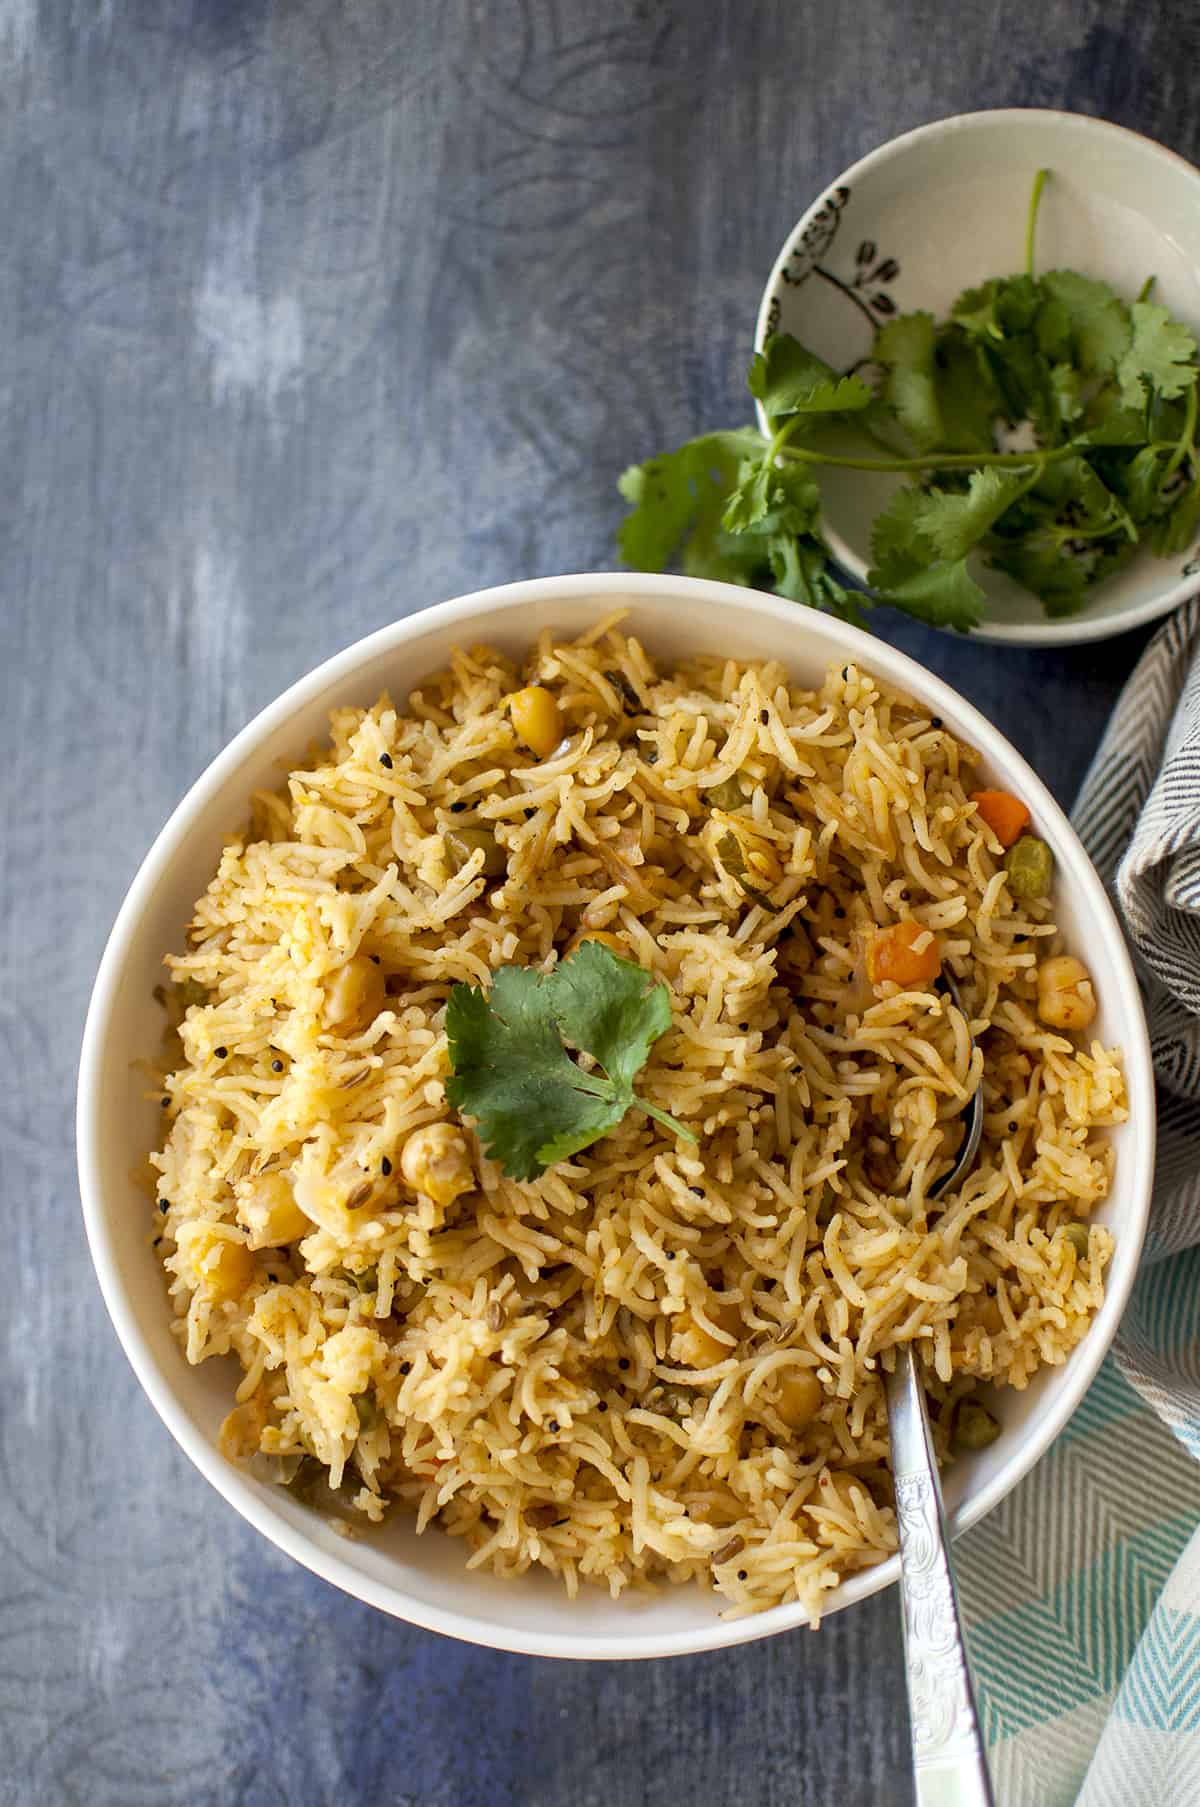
(659, 1360)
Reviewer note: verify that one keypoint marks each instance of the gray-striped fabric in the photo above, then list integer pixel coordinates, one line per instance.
(1090, 1572)
(1139, 816)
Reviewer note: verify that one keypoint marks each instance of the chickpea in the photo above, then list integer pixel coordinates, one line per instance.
(610, 941)
(1065, 997)
(537, 719)
(798, 1397)
(229, 1271)
(226, 1271)
(354, 995)
(693, 1346)
(219, 1265)
(437, 1162)
(270, 1213)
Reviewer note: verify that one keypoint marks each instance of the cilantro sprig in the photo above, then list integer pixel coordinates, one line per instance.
(513, 1073)
(1106, 390)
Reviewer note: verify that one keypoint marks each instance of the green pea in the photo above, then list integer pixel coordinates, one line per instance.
(727, 795)
(366, 1279)
(974, 1426)
(1029, 864)
(1079, 1238)
(461, 843)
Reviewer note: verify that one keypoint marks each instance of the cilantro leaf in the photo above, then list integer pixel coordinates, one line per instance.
(898, 543)
(968, 400)
(512, 1073)
(772, 498)
(1162, 356)
(606, 1006)
(800, 567)
(678, 499)
(908, 573)
(750, 500)
(1066, 395)
(1107, 389)
(943, 594)
(789, 379)
(1094, 322)
(906, 347)
(953, 522)
(1038, 561)
(1000, 309)
(771, 525)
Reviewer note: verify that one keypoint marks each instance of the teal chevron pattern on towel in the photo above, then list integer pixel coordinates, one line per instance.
(1081, 1592)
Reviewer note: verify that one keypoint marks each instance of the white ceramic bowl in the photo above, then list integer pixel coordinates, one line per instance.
(425, 1579)
(942, 209)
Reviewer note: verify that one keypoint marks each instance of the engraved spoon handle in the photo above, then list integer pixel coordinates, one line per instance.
(949, 1767)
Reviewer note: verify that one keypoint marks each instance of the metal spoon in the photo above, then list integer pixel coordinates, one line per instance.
(949, 1768)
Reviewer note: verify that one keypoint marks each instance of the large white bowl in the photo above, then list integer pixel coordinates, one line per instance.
(425, 1579)
(942, 209)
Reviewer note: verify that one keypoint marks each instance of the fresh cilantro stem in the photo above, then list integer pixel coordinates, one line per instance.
(666, 1119)
(1035, 201)
(1147, 288)
(1186, 447)
(932, 461)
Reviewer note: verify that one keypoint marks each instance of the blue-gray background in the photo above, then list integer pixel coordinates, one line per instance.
(314, 312)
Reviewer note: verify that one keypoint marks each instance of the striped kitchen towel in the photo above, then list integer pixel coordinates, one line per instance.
(1082, 1591)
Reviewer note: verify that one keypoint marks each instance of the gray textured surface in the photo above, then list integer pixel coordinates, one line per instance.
(316, 312)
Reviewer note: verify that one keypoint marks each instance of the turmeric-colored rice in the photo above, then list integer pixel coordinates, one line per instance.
(660, 1360)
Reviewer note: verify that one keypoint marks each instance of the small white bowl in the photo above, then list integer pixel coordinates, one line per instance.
(425, 1579)
(942, 209)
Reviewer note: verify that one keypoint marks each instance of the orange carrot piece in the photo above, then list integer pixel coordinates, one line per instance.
(907, 953)
(1005, 815)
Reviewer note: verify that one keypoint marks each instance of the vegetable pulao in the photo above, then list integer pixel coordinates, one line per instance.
(605, 1279)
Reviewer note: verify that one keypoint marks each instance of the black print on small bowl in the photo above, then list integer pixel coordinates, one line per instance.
(1192, 568)
(866, 288)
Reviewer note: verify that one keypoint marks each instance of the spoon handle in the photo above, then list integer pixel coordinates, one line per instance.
(948, 1762)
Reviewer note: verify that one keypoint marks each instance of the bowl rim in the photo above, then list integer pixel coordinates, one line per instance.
(483, 609)
(1077, 629)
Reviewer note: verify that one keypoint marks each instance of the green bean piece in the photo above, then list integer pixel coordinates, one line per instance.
(1078, 1236)
(368, 1411)
(727, 795)
(731, 853)
(974, 1426)
(1029, 864)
